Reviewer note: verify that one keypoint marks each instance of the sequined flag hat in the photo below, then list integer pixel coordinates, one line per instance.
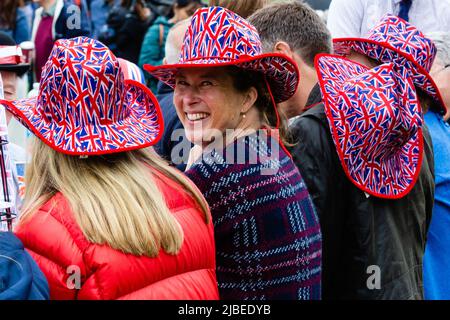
(85, 107)
(376, 123)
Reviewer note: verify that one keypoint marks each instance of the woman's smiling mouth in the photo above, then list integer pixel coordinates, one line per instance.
(197, 116)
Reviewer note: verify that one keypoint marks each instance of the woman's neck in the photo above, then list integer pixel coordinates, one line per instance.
(248, 125)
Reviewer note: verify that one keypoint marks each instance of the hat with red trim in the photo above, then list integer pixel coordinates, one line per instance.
(219, 37)
(396, 40)
(85, 107)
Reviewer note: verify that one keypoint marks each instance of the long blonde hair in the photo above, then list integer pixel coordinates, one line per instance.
(114, 198)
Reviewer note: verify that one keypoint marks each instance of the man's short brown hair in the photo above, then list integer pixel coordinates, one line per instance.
(244, 8)
(295, 23)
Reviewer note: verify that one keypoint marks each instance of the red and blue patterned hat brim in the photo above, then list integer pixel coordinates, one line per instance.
(281, 72)
(381, 177)
(368, 47)
(143, 126)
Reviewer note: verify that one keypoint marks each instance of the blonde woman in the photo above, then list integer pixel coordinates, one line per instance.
(104, 217)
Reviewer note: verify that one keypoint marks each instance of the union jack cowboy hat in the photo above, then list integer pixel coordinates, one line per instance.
(219, 37)
(376, 123)
(85, 107)
(396, 40)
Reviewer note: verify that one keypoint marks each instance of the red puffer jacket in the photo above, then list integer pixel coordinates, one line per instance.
(55, 241)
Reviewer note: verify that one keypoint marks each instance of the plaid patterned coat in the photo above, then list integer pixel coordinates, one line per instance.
(268, 239)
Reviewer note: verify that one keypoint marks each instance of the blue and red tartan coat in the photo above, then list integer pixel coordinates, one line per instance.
(55, 241)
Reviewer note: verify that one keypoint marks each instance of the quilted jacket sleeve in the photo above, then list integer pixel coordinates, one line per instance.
(56, 252)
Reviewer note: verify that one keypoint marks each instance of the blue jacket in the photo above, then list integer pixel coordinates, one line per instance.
(66, 19)
(436, 265)
(99, 13)
(153, 46)
(165, 146)
(20, 277)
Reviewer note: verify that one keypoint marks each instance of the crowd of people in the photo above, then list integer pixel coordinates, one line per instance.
(235, 150)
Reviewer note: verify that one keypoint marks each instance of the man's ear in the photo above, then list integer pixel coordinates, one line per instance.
(284, 48)
(164, 61)
(249, 99)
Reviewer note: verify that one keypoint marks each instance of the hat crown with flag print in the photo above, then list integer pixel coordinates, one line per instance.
(85, 107)
(219, 34)
(396, 40)
(376, 123)
(220, 37)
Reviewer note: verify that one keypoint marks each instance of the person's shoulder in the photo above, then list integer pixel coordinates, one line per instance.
(311, 117)
(343, 4)
(161, 20)
(56, 215)
(174, 192)
(21, 12)
(317, 111)
(38, 12)
(9, 242)
(18, 154)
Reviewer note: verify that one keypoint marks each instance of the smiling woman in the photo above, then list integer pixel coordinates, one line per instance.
(225, 95)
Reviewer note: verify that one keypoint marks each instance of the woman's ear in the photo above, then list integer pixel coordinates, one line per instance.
(250, 98)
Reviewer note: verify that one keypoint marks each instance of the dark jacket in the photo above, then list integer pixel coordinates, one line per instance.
(174, 138)
(20, 277)
(130, 37)
(360, 232)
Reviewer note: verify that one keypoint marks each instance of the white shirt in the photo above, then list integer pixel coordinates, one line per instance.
(354, 18)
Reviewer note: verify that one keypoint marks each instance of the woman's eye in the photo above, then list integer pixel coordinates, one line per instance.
(206, 83)
(181, 83)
